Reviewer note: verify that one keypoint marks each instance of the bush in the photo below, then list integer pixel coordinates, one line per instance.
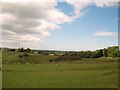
(62, 58)
(23, 55)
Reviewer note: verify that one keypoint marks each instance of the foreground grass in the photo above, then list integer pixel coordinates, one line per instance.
(61, 75)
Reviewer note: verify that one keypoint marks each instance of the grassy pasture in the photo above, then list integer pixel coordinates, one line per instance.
(84, 73)
(60, 75)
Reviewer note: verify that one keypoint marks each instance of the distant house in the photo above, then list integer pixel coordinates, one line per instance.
(35, 52)
(51, 54)
(60, 54)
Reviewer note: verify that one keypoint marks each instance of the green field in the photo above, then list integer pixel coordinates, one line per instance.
(39, 72)
(60, 75)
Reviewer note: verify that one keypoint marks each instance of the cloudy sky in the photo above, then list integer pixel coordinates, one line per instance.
(54, 25)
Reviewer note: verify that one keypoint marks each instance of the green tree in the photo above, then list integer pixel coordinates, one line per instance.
(28, 50)
(87, 54)
(104, 52)
(82, 54)
(21, 49)
(97, 54)
(113, 51)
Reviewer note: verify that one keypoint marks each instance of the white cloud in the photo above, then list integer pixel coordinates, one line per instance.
(78, 7)
(30, 22)
(106, 34)
(106, 4)
(90, 38)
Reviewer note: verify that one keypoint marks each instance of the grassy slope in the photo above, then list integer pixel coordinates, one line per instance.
(13, 57)
(8, 56)
(60, 76)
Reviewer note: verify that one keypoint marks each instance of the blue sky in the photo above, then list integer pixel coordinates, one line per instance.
(79, 34)
(60, 25)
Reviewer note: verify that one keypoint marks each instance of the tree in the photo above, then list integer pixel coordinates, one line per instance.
(88, 54)
(28, 50)
(97, 54)
(13, 50)
(21, 49)
(113, 51)
(82, 54)
(93, 55)
(104, 52)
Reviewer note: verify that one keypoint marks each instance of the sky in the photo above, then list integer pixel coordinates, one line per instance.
(55, 25)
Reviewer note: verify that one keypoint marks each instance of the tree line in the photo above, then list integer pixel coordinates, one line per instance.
(112, 52)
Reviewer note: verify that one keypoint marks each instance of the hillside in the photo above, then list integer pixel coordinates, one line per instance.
(14, 57)
(9, 57)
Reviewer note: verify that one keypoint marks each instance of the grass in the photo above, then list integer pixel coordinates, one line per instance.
(60, 75)
(9, 57)
(84, 73)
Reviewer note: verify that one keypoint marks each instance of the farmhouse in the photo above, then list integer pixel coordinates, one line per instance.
(35, 52)
(51, 54)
